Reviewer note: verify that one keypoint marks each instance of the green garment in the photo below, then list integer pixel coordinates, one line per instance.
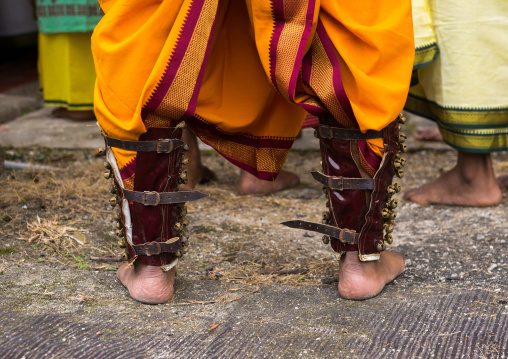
(57, 16)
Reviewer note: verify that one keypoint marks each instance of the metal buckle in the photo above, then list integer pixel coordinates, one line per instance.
(160, 144)
(339, 183)
(147, 198)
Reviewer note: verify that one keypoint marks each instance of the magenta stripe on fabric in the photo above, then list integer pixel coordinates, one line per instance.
(129, 169)
(306, 74)
(338, 85)
(307, 67)
(279, 22)
(191, 109)
(309, 17)
(242, 139)
(175, 60)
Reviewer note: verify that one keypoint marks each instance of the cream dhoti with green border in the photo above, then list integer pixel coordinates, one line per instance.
(462, 84)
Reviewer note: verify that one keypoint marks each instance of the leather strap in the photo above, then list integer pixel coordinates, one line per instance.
(149, 198)
(160, 146)
(155, 248)
(342, 183)
(343, 235)
(329, 132)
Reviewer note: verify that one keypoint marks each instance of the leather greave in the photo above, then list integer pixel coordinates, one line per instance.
(360, 207)
(152, 215)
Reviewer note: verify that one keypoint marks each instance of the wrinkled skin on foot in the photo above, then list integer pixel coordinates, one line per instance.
(250, 184)
(147, 284)
(363, 280)
(470, 183)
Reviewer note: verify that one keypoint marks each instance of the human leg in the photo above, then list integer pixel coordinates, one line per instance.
(360, 215)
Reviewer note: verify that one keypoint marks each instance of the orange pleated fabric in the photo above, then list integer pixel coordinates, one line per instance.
(244, 73)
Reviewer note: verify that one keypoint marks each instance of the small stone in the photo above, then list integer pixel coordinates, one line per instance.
(407, 262)
(502, 301)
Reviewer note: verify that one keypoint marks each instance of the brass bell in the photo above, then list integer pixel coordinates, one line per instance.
(402, 119)
(388, 227)
(184, 161)
(325, 191)
(113, 201)
(182, 176)
(178, 227)
(380, 246)
(185, 222)
(316, 134)
(397, 187)
(402, 148)
(385, 213)
(399, 163)
(392, 215)
(327, 204)
(399, 173)
(119, 233)
(120, 244)
(321, 163)
(392, 204)
(107, 174)
(179, 254)
(107, 165)
(185, 147)
(119, 225)
(391, 190)
(402, 137)
(118, 217)
(113, 189)
(326, 216)
(101, 151)
(389, 238)
(185, 249)
(326, 239)
(125, 257)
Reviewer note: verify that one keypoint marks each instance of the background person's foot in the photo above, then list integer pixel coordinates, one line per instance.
(74, 115)
(250, 184)
(363, 280)
(147, 284)
(470, 183)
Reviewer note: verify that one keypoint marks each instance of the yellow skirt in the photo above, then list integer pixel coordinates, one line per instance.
(66, 70)
(463, 86)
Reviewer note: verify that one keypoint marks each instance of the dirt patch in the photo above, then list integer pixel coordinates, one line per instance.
(64, 217)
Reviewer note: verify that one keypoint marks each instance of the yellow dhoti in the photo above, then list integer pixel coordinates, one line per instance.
(242, 74)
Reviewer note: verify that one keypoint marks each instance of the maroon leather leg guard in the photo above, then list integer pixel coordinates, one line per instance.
(360, 207)
(152, 215)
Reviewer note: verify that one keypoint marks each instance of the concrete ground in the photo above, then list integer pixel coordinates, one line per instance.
(452, 301)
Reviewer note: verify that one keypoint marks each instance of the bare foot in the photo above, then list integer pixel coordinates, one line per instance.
(250, 184)
(74, 115)
(196, 172)
(470, 183)
(147, 284)
(428, 134)
(363, 280)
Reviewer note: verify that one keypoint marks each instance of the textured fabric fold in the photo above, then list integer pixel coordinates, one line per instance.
(243, 74)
